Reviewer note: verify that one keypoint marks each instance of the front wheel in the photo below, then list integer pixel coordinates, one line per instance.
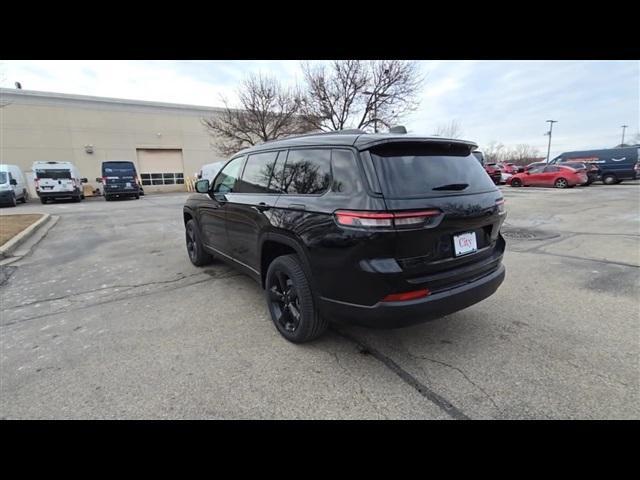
(290, 301)
(561, 183)
(195, 249)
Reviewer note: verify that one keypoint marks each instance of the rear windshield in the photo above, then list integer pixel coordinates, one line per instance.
(118, 168)
(429, 170)
(55, 174)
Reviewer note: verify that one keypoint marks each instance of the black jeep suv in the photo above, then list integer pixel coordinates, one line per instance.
(380, 230)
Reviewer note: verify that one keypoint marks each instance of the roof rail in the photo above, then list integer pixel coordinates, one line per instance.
(353, 131)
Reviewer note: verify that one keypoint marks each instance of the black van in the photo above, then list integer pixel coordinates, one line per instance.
(615, 164)
(119, 179)
(381, 230)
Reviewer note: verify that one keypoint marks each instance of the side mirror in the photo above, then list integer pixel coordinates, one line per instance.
(13, 181)
(98, 179)
(202, 186)
(84, 180)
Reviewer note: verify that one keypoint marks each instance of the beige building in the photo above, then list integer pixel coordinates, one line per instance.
(167, 142)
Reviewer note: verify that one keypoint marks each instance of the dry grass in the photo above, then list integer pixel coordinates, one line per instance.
(11, 225)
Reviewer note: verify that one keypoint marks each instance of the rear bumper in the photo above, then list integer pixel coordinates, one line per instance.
(43, 194)
(402, 314)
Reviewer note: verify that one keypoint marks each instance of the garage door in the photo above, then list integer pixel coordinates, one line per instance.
(161, 168)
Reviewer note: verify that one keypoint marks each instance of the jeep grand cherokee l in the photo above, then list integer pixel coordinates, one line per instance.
(380, 230)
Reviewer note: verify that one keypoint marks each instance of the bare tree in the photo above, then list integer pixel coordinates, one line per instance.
(449, 130)
(267, 111)
(494, 153)
(359, 94)
(522, 154)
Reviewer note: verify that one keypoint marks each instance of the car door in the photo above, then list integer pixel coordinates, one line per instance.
(534, 176)
(249, 206)
(212, 211)
(548, 176)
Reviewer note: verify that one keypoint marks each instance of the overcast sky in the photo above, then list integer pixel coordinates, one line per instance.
(505, 101)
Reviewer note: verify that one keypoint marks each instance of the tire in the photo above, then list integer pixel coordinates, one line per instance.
(82, 197)
(197, 254)
(516, 182)
(107, 198)
(609, 179)
(561, 183)
(290, 301)
(137, 196)
(12, 201)
(77, 198)
(43, 200)
(25, 196)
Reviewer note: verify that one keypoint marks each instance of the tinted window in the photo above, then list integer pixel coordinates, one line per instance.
(420, 170)
(226, 179)
(551, 169)
(307, 172)
(536, 169)
(55, 174)
(345, 172)
(257, 174)
(118, 168)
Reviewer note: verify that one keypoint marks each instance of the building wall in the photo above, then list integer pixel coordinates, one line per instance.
(39, 126)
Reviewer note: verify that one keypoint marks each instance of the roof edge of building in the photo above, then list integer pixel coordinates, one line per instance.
(37, 94)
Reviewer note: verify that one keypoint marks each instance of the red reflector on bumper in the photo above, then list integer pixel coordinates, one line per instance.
(401, 297)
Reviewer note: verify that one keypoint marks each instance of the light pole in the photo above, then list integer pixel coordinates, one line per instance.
(550, 122)
(624, 127)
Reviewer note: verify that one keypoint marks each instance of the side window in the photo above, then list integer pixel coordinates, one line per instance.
(345, 172)
(551, 169)
(226, 181)
(307, 172)
(257, 174)
(536, 170)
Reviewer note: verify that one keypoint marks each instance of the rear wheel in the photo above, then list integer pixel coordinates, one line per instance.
(195, 249)
(43, 200)
(609, 179)
(516, 182)
(561, 183)
(290, 301)
(25, 196)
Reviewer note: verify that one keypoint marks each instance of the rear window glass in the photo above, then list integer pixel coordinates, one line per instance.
(429, 170)
(55, 174)
(118, 168)
(346, 176)
(307, 172)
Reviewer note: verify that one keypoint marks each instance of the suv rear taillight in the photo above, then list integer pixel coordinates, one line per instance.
(387, 220)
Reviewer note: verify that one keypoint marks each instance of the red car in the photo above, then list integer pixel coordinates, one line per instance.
(510, 168)
(494, 172)
(549, 176)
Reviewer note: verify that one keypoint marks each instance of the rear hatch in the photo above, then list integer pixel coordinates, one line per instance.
(56, 180)
(119, 177)
(461, 241)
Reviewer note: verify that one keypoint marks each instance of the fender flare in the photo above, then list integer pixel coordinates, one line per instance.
(298, 247)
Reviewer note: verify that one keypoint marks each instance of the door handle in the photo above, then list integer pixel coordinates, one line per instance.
(296, 206)
(262, 207)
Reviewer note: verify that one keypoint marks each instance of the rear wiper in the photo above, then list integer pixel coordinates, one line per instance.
(452, 186)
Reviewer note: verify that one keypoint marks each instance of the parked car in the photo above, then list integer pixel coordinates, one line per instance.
(615, 164)
(58, 180)
(509, 168)
(548, 176)
(210, 170)
(494, 173)
(120, 179)
(13, 186)
(591, 170)
(381, 230)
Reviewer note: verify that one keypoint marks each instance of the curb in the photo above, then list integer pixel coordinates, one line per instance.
(21, 237)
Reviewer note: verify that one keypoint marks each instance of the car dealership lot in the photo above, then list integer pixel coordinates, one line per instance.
(107, 318)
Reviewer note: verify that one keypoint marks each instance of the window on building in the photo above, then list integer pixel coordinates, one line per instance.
(176, 178)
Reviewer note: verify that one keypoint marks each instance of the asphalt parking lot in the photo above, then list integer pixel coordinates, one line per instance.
(107, 318)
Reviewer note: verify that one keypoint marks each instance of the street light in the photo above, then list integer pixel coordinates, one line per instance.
(624, 127)
(550, 122)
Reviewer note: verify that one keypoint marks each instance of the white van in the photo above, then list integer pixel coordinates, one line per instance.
(13, 186)
(55, 180)
(210, 170)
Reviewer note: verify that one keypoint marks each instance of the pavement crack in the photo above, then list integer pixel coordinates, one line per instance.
(412, 381)
(453, 367)
(362, 390)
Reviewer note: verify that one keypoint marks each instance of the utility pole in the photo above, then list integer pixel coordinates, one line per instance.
(624, 127)
(550, 122)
